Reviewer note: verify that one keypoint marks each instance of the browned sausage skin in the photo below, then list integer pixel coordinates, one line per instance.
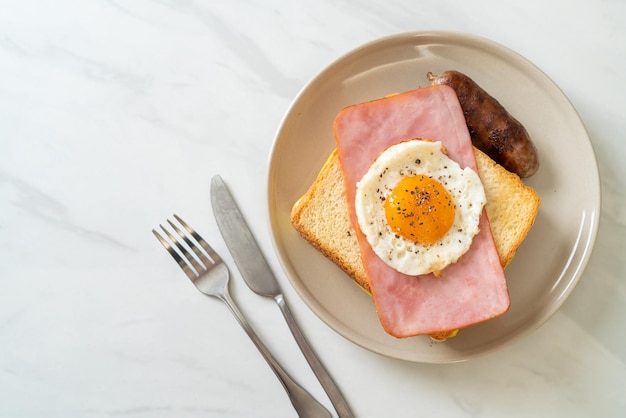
(493, 130)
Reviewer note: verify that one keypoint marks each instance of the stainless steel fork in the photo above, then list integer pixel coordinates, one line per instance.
(210, 275)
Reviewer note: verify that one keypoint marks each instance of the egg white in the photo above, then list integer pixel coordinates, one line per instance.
(409, 158)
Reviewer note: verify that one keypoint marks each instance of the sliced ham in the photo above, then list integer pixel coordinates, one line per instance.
(468, 292)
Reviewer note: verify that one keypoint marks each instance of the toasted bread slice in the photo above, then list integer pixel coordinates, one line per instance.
(321, 214)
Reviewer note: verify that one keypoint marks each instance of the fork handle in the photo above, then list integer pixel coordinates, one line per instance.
(333, 392)
(304, 403)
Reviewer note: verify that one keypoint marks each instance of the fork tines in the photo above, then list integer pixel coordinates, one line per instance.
(192, 265)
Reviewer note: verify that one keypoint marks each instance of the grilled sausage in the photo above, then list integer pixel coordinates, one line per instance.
(492, 129)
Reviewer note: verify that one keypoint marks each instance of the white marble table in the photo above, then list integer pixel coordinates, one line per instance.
(115, 114)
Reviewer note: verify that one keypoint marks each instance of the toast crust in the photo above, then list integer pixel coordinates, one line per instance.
(321, 217)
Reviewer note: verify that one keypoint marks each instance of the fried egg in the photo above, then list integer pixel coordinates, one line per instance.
(418, 209)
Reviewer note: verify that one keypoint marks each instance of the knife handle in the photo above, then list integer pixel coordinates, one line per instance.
(303, 402)
(333, 392)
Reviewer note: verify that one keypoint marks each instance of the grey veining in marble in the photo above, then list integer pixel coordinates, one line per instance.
(115, 114)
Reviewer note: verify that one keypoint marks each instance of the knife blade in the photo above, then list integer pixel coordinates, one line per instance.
(257, 274)
(240, 241)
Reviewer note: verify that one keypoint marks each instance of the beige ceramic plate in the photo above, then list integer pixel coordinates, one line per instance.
(549, 262)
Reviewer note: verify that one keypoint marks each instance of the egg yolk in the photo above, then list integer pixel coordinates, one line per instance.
(420, 209)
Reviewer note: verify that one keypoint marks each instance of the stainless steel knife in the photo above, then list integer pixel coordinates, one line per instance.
(259, 277)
